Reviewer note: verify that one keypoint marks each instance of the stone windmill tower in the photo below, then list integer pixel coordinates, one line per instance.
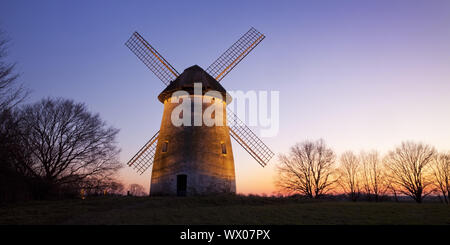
(196, 159)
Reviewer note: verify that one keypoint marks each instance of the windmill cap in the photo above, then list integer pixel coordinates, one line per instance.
(185, 81)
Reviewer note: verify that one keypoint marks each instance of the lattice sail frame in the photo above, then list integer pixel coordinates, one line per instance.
(232, 56)
(145, 156)
(248, 140)
(218, 69)
(151, 58)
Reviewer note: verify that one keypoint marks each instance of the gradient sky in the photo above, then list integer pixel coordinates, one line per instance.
(360, 74)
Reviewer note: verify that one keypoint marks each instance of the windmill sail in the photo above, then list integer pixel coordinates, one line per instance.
(248, 140)
(144, 158)
(228, 60)
(151, 58)
(218, 70)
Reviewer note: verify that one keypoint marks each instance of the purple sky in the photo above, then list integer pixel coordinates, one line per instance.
(360, 74)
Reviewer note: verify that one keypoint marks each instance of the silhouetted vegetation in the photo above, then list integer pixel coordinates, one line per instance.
(412, 169)
(441, 173)
(408, 169)
(52, 148)
(349, 175)
(12, 184)
(307, 170)
(58, 148)
(11, 92)
(373, 176)
(136, 190)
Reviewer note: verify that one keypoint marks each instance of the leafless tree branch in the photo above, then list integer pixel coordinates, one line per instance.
(307, 169)
(408, 168)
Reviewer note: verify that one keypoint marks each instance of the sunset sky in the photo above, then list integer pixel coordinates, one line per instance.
(362, 75)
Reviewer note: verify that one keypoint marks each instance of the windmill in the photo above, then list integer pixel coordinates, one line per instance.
(191, 160)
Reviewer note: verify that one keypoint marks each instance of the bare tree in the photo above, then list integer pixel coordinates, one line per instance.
(391, 188)
(441, 174)
(307, 169)
(66, 143)
(115, 187)
(12, 186)
(9, 137)
(409, 169)
(373, 180)
(349, 171)
(104, 186)
(137, 190)
(11, 93)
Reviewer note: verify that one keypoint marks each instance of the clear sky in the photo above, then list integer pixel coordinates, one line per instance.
(360, 74)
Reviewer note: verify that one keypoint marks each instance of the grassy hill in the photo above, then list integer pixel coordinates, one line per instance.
(220, 210)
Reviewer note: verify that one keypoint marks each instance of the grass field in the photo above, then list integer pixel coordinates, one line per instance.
(220, 210)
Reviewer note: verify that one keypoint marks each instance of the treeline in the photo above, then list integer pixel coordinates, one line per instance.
(412, 169)
(52, 148)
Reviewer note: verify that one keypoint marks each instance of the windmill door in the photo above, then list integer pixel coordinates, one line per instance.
(181, 184)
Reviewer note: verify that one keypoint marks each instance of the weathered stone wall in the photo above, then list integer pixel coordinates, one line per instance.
(196, 152)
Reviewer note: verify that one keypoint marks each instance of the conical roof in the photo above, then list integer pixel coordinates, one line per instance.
(186, 80)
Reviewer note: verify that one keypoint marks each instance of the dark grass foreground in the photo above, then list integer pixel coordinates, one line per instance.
(220, 210)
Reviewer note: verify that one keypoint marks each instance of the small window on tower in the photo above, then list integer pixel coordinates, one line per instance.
(165, 146)
(224, 148)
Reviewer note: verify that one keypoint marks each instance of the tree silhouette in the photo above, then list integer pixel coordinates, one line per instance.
(11, 93)
(349, 174)
(307, 169)
(65, 144)
(373, 179)
(441, 174)
(12, 186)
(137, 190)
(408, 169)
